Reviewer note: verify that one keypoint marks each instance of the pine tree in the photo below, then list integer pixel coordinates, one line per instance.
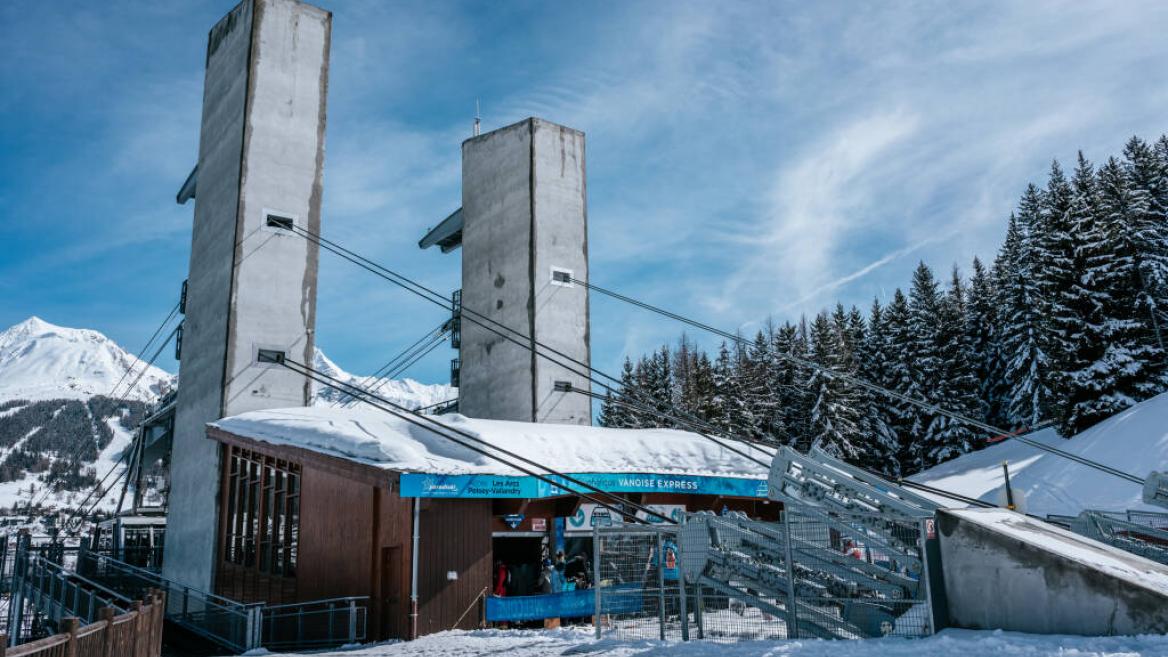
(981, 330)
(957, 387)
(1129, 369)
(927, 366)
(880, 442)
(1087, 377)
(1026, 370)
(1055, 274)
(905, 419)
(1147, 183)
(835, 416)
(758, 389)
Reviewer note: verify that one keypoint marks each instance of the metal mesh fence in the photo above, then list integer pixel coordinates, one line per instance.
(729, 578)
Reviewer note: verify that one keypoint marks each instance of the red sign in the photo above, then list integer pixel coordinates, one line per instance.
(539, 524)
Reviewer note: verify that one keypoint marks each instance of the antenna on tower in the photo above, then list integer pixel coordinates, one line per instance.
(478, 121)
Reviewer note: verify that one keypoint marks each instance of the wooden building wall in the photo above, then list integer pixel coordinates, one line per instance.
(355, 540)
(455, 536)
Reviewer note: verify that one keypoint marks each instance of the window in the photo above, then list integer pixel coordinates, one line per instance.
(277, 221)
(263, 513)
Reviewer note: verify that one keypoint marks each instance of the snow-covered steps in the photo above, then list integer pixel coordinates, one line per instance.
(1005, 570)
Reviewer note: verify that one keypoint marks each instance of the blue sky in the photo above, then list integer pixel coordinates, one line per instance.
(744, 159)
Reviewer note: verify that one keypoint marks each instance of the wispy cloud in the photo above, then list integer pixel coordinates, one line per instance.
(744, 159)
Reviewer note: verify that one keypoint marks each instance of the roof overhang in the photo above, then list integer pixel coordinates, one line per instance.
(187, 191)
(447, 235)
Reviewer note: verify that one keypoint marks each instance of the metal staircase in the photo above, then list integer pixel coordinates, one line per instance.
(850, 558)
(48, 584)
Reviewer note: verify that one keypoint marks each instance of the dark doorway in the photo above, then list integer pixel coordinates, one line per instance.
(522, 555)
(393, 585)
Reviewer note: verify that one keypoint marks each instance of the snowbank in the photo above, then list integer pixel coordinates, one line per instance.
(1134, 441)
(538, 643)
(378, 438)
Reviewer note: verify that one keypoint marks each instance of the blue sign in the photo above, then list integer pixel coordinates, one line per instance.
(503, 486)
(513, 520)
(567, 604)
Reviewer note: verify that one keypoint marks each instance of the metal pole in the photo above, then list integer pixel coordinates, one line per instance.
(596, 580)
(792, 620)
(681, 600)
(352, 621)
(1009, 492)
(414, 573)
(923, 543)
(698, 608)
(660, 586)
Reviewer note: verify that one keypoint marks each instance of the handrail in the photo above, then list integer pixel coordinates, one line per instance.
(149, 574)
(58, 569)
(308, 603)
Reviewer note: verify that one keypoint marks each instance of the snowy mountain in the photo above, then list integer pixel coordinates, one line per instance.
(62, 423)
(41, 361)
(407, 392)
(1133, 441)
(63, 426)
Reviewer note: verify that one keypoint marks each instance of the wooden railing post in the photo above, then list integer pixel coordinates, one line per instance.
(70, 625)
(107, 639)
(136, 606)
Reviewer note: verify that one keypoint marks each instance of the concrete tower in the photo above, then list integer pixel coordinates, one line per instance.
(252, 283)
(524, 218)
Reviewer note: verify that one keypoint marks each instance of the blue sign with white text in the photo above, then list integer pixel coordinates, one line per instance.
(504, 486)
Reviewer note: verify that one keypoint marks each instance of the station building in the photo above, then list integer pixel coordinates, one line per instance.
(320, 503)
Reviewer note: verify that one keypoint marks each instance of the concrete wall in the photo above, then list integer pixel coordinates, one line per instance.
(1013, 572)
(261, 149)
(524, 212)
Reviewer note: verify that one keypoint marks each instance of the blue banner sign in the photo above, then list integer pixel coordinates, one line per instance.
(502, 486)
(568, 604)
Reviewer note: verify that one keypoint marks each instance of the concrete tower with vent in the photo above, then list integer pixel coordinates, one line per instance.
(252, 282)
(523, 231)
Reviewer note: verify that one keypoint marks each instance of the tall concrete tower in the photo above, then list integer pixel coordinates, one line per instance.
(252, 283)
(524, 228)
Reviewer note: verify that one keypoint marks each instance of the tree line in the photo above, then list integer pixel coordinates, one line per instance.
(1065, 327)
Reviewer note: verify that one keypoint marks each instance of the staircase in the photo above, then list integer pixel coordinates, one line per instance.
(48, 586)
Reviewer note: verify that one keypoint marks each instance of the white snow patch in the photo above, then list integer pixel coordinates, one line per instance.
(378, 438)
(579, 641)
(1134, 441)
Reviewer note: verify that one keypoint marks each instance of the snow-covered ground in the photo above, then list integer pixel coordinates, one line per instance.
(1134, 441)
(962, 643)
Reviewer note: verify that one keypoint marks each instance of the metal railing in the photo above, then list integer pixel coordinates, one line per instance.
(1139, 532)
(58, 593)
(232, 624)
(316, 624)
(236, 625)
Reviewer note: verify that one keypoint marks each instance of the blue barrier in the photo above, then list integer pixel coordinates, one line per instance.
(567, 604)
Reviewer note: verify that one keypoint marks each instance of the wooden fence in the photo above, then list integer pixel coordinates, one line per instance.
(136, 633)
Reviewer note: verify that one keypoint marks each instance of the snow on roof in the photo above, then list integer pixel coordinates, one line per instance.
(379, 439)
(1134, 441)
(1113, 561)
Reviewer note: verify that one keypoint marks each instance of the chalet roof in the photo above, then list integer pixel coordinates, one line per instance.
(381, 440)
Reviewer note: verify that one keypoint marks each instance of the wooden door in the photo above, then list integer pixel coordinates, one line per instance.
(393, 594)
